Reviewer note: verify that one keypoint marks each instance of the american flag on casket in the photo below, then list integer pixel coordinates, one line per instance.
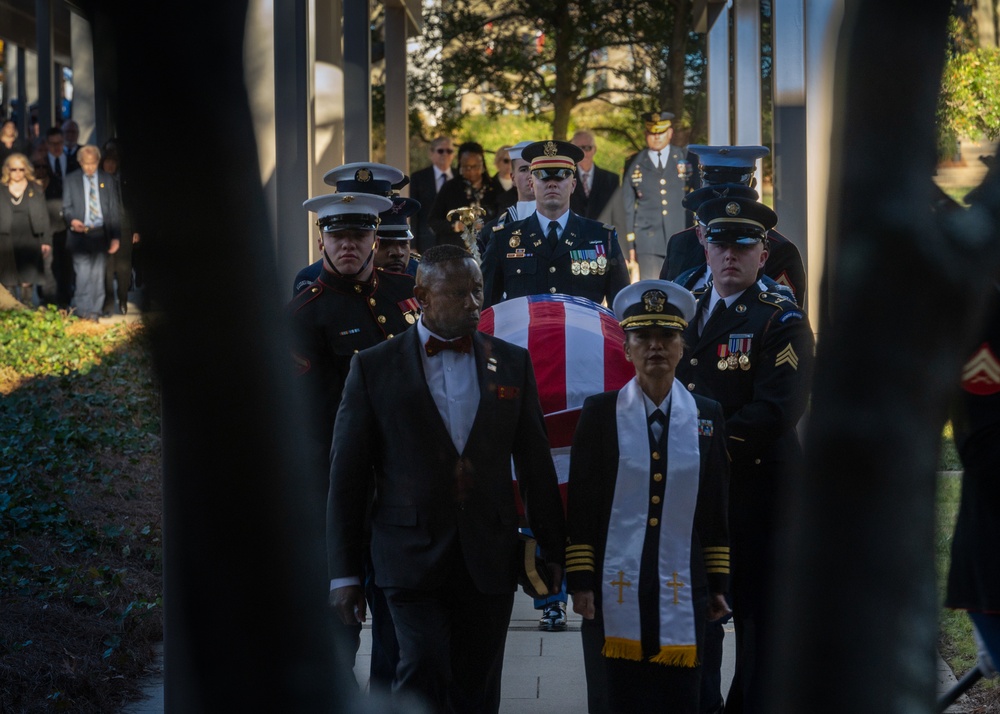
(576, 351)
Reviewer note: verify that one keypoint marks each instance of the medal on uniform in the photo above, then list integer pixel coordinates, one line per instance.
(744, 362)
(575, 267)
(410, 318)
(593, 266)
(733, 361)
(515, 240)
(584, 267)
(723, 362)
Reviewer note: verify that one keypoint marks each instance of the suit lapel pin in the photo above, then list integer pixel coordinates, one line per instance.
(741, 309)
(536, 243)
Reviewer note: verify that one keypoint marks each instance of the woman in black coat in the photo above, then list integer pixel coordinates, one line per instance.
(25, 234)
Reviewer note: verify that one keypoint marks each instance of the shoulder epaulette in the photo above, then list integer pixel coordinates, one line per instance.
(608, 227)
(776, 300)
(306, 295)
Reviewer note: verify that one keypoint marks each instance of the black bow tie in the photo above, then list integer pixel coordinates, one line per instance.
(434, 345)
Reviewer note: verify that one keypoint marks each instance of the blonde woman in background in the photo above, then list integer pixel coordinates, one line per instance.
(25, 235)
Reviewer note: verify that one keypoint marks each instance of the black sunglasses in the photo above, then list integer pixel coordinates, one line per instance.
(445, 151)
(552, 174)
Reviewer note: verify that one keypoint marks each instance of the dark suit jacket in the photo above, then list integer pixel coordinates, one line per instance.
(594, 473)
(603, 188)
(75, 206)
(422, 188)
(432, 502)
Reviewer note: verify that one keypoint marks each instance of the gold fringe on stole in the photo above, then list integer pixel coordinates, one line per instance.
(621, 648)
(677, 656)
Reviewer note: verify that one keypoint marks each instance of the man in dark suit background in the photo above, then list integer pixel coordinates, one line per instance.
(444, 537)
(594, 186)
(424, 186)
(92, 210)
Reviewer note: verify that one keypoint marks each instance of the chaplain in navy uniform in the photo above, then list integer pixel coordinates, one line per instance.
(652, 189)
(752, 351)
(648, 459)
(554, 250)
(721, 167)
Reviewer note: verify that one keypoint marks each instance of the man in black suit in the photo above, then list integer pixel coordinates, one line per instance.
(444, 539)
(62, 262)
(92, 211)
(594, 186)
(424, 186)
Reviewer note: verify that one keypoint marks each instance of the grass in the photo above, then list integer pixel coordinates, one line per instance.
(955, 640)
(80, 510)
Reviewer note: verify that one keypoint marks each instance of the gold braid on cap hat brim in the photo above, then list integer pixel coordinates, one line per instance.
(657, 127)
(671, 322)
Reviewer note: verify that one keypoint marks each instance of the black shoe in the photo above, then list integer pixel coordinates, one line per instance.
(123, 306)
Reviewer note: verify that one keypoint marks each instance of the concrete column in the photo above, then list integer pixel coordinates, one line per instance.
(84, 86)
(746, 74)
(397, 125)
(717, 51)
(357, 81)
(822, 26)
(44, 44)
(293, 101)
(788, 73)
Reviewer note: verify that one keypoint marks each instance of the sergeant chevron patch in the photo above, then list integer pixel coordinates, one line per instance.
(981, 374)
(787, 356)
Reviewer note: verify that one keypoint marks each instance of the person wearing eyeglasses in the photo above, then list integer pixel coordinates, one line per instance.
(554, 250)
(25, 236)
(594, 186)
(425, 184)
(503, 179)
(472, 187)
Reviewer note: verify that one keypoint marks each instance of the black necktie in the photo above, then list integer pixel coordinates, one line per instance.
(719, 307)
(659, 161)
(463, 344)
(553, 234)
(58, 166)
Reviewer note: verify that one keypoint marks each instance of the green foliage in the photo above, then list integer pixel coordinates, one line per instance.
(970, 94)
(80, 536)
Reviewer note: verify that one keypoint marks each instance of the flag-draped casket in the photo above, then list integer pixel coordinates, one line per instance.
(576, 351)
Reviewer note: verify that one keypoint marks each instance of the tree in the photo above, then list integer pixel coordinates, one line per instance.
(550, 55)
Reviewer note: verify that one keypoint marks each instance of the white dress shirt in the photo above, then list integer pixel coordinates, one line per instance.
(438, 173)
(454, 385)
(561, 221)
(664, 408)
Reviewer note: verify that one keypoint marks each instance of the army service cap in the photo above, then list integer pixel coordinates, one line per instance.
(552, 155)
(515, 151)
(657, 122)
(730, 219)
(364, 177)
(393, 221)
(339, 211)
(654, 303)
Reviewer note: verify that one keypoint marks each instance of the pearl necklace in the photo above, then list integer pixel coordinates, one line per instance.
(17, 201)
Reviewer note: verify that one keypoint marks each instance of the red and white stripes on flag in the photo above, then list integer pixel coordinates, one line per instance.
(576, 351)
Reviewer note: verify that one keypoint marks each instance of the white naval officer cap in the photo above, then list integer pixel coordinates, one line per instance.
(338, 211)
(516, 149)
(364, 177)
(654, 303)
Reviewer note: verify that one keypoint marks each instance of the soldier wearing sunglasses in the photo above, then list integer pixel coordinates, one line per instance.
(554, 250)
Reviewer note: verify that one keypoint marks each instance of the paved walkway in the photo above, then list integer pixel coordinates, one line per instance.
(543, 671)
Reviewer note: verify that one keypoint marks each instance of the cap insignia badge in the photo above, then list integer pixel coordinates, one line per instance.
(397, 207)
(724, 151)
(732, 208)
(550, 149)
(348, 198)
(363, 175)
(653, 300)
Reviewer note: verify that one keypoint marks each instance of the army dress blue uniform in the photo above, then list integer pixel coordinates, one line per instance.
(784, 262)
(587, 261)
(755, 358)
